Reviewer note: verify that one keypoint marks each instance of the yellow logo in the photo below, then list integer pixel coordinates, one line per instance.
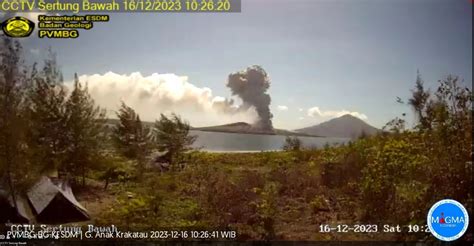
(18, 27)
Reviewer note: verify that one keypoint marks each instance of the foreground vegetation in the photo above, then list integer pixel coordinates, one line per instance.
(390, 178)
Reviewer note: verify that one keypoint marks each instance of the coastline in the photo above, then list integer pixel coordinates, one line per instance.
(295, 134)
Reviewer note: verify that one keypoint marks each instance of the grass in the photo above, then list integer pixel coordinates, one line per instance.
(227, 191)
(287, 195)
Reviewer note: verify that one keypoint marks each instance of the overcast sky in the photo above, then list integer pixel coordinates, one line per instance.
(325, 57)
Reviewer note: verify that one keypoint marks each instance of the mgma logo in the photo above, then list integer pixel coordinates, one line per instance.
(448, 220)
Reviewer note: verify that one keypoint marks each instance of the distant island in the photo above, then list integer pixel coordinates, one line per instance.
(346, 126)
(246, 128)
(238, 127)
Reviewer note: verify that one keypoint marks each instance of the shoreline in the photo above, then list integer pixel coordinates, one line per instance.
(259, 133)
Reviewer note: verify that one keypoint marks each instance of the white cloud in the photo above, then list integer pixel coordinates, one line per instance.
(282, 107)
(163, 93)
(301, 118)
(300, 109)
(316, 112)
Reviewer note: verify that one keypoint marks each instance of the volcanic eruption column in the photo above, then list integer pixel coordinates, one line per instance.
(251, 86)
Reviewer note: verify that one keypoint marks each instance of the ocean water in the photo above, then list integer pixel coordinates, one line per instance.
(236, 142)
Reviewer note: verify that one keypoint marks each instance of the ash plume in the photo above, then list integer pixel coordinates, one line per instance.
(251, 86)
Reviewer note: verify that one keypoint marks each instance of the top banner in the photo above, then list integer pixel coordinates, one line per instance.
(77, 6)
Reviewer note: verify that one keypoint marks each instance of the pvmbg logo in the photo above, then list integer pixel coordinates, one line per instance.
(448, 220)
(17, 27)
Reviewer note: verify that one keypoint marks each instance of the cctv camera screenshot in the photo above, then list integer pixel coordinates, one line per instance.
(236, 122)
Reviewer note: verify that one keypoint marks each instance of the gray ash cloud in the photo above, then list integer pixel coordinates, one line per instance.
(251, 85)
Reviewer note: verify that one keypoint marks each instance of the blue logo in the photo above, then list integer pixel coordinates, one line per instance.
(448, 220)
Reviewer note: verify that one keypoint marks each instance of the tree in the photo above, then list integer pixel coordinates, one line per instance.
(419, 102)
(85, 131)
(13, 164)
(450, 136)
(131, 138)
(172, 136)
(395, 126)
(292, 144)
(439, 146)
(47, 117)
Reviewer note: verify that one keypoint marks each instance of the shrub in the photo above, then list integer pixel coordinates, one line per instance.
(292, 144)
(267, 210)
(297, 181)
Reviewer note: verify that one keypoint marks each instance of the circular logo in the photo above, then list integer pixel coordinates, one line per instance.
(18, 27)
(447, 220)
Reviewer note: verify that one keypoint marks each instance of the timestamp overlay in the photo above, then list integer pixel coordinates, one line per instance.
(66, 19)
(93, 233)
(373, 228)
(107, 6)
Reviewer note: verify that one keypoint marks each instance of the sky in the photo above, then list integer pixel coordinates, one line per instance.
(325, 58)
